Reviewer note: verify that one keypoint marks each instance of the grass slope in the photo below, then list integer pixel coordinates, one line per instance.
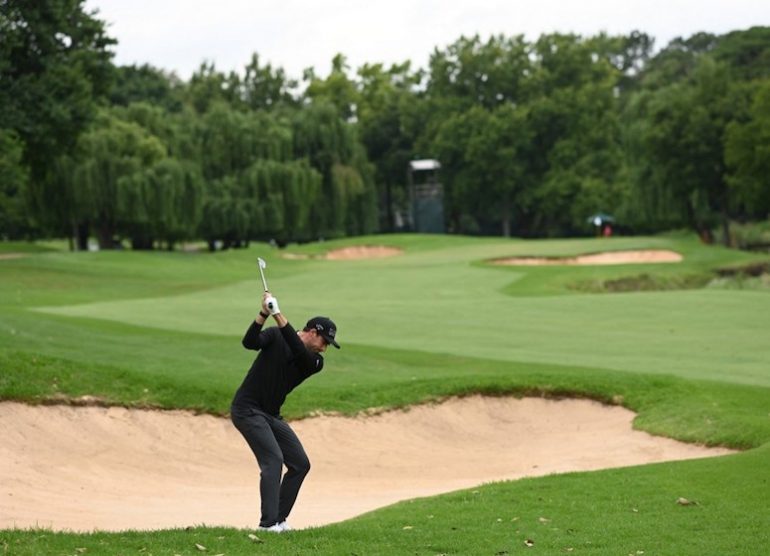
(620, 511)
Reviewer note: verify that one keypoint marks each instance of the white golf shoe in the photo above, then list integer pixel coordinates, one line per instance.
(284, 525)
(273, 528)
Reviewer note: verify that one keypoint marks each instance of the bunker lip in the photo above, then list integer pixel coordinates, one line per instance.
(113, 468)
(354, 252)
(637, 256)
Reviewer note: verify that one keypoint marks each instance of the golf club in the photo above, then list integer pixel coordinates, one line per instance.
(262, 265)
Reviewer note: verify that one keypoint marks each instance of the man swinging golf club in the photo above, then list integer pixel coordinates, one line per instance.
(286, 358)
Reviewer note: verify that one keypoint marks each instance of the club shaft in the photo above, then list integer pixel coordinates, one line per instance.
(264, 282)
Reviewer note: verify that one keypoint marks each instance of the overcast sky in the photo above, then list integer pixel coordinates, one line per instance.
(177, 35)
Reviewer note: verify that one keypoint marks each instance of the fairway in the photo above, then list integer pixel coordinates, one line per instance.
(452, 303)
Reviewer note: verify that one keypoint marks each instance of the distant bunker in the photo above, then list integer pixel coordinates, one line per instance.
(352, 253)
(646, 256)
(362, 252)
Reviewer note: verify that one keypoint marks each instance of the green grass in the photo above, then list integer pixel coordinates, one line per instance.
(163, 330)
(460, 307)
(32, 246)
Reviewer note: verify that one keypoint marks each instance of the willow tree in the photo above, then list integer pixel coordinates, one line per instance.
(245, 157)
(161, 203)
(225, 214)
(231, 140)
(280, 199)
(112, 159)
(348, 202)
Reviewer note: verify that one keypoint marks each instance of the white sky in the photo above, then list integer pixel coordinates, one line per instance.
(177, 35)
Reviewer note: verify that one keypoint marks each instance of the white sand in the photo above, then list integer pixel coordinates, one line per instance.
(607, 258)
(85, 468)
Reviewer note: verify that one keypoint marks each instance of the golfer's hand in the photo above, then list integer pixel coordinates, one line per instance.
(265, 297)
(271, 305)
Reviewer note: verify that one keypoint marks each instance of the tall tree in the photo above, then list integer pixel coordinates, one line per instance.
(677, 60)
(264, 87)
(747, 153)
(471, 72)
(113, 159)
(683, 143)
(146, 84)
(331, 145)
(526, 133)
(487, 154)
(207, 86)
(54, 66)
(14, 176)
(387, 99)
(628, 54)
(337, 89)
(163, 202)
(231, 140)
(746, 52)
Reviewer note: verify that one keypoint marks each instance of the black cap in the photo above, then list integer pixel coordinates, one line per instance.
(325, 327)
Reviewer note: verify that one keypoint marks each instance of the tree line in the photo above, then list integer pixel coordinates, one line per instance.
(533, 137)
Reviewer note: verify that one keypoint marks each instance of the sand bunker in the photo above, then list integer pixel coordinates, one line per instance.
(351, 253)
(362, 252)
(85, 468)
(609, 257)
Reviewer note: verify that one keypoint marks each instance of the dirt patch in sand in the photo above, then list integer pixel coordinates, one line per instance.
(85, 468)
(606, 258)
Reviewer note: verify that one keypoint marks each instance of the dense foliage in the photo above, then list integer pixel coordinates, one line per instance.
(533, 138)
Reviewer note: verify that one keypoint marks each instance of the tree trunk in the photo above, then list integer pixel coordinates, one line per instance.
(727, 240)
(73, 235)
(704, 232)
(104, 236)
(388, 208)
(706, 236)
(140, 243)
(81, 235)
(507, 226)
(506, 215)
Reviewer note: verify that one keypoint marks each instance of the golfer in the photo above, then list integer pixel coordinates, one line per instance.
(286, 358)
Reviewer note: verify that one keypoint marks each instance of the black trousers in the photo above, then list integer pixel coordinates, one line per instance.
(274, 444)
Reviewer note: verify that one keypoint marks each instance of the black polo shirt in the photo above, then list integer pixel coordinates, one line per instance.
(282, 364)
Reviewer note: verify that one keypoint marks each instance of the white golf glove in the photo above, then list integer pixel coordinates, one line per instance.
(272, 305)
